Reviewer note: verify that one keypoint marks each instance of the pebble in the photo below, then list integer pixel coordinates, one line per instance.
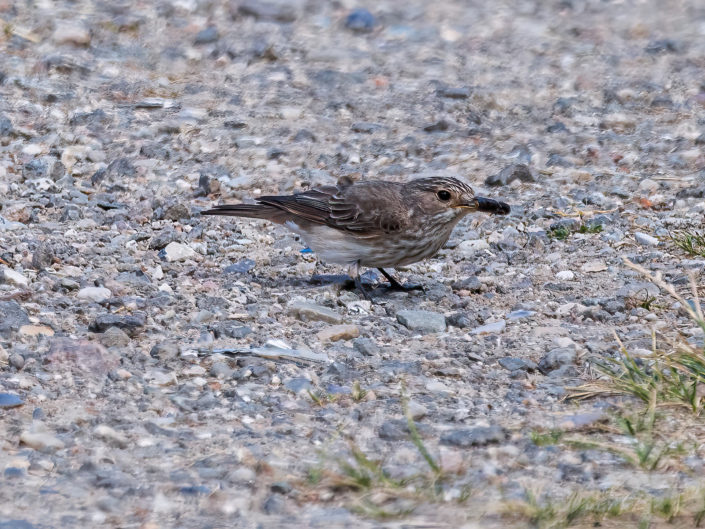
(360, 20)
(206, 35)
(311, 312)
(422, 321)
(114, 337)
(17, 360)
(176, 251)
(513, 364)
(14, 278)
(518, 171)
(338, 332)
(8, 400)
(416, 410)
(490, 328)
(557, 358)
(469, 248)
(565, 275)
(593, 266)
(71, 33)
(276, 11)
(111, 436)
(645, 239)
(36, 330)
(130, 323)
(41, 441)
(478, 436)
(241, 267)
(95, 294)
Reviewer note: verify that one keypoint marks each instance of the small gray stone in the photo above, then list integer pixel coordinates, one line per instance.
(131, 324)
(41, 441)
(365, 127)
(274, 504)
(230, 329)
(12, 317)
(517, 171)
(176, 251)
(298, 384)
(114, 337)
(490, 328)
(645, 239)
(279, 11)
(17, 360)
(422, 320)
(478, 436)
(512, 364)
(454, 93)
(366, 346)
(8, 400)
(42, 257)
(96, 294)
(360, 20)
(241, 267)
(165, 350)
(221, 370)
(635, 289)
(310, 312)
(556, 358)
(398, 430)
(206, 35)
(471, 283)
(177, 212)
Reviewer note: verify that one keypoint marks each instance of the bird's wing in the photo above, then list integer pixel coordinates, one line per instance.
(364, 209)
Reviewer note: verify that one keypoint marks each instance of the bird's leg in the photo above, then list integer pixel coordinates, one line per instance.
(396, 285)
(354, 271)
(363, 291)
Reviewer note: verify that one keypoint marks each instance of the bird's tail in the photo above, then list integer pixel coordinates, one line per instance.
(253, 211)
(490, 205)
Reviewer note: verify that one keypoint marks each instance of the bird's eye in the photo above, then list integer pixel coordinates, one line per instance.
(443, 195)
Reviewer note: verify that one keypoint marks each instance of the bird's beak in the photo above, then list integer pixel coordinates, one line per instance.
(471, 204)
(490, 205)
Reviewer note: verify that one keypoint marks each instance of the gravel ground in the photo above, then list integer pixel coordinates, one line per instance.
(119, 122)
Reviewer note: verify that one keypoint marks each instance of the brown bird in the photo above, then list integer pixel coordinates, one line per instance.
(371, 223)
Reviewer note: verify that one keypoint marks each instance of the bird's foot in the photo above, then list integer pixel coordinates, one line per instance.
(406, 287)
(396, 285)
(362, 289)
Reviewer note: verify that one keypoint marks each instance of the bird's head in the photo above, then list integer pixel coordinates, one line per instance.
(444, 196)
(451, 199)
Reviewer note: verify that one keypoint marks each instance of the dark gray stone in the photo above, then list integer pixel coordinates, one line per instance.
(8, 400)
(43, 256)
(274, 504)
(241, 267)
(478, 436)
(360, 20)
(513, 364)
(454, 93)
(17, 360)
(165, 350)
(206, 35)
(556, 358)
(276, 12)
(131, 324)
(365, 127)
(5, 126)
(366, 346)
(230, 329)
(422, 320)
(12, 317)
(517, 171)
